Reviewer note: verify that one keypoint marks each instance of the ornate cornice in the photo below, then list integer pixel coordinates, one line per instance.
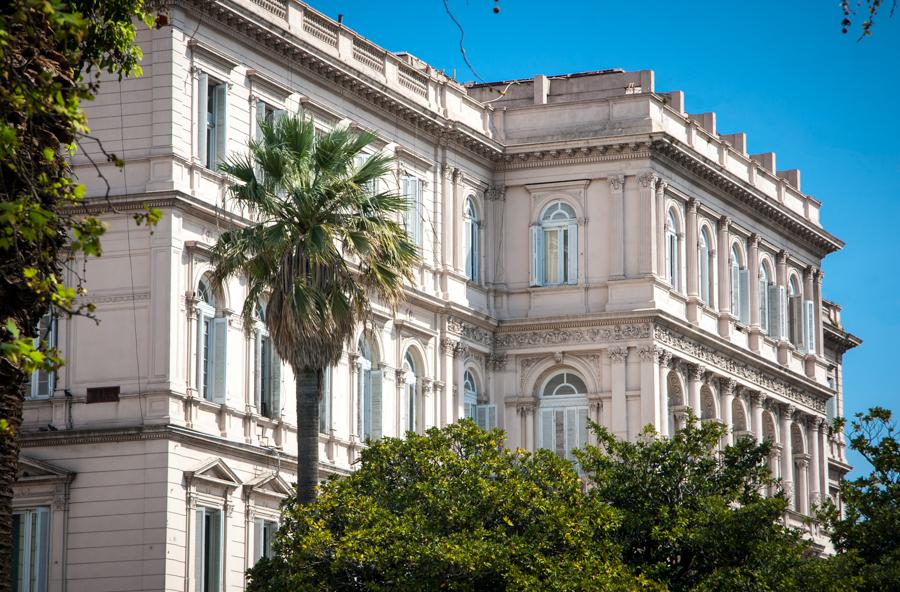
(573, 334)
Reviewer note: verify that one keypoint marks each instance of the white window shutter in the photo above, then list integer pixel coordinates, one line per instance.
(221, 124)
(276, 387)
(202, 105)
(782, 312)
(476, 251)
(810, 326)
(572, 271)
(220, 359)
(774, 310)
(257, 371)
(537, 255)
(258, 539)
(704, 273)
(582, 427)
(764, 308)
(260, 118)
(548, 430)
(377, 412)
(200, 543)
(217, 528)
(471, 411)
(201, 358)
(278, 115)
(744, 278)
(735, 291)
(420, 211)
(470, 249)
(572, 436)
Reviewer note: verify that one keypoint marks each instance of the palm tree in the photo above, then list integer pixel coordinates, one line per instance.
(325, 243)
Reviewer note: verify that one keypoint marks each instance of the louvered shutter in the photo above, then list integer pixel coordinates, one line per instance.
(377, 413)
(202, 106)
(571, 432)
(744, 278)
(276, 385)
(200, 542)
(773, 309)
(325, 405)
(278, 115)
(764, 324)
(548, 429)
(257, 371)
(216, 544)
(537, 255)
(704, 273)
(582, 427)
(221, 124)
(572, 270)
(470, 249)
(258, 539)
(420, 212)
(220, 359)
(260, 118)
(735, 291)
(810, 326)
(476, 251)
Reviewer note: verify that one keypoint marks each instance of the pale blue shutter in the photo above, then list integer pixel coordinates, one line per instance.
(572, 271)
(202, 106)
(486, 416)
(764, 308)
(775, 305)
(810, 326)
(377, 411)
(703, 261)
(735, 291)
(258, 539)
(260, 118)
(200, 543)
(220, 360)
(257, 371)
(221, 124)
(548, 430)
(278, 115)
(277, 386)
(796, 314)
(420, 211)
(537, 255)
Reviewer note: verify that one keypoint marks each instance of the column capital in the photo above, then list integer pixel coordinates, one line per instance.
(648, 179)
(727, 385)
(787, 410)
(781, 257)
(616, 182)
(694, 371)
(618, 354)
(758, 397)
(818, 276)
(665, 357)
(649, 353)
(692, 205)
(754, 240)
(725, 222)
(661, 186)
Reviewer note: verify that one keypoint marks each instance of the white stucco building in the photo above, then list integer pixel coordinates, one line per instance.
(590, 250)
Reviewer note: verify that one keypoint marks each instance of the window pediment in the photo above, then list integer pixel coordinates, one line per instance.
(214, 474)
(268, 484)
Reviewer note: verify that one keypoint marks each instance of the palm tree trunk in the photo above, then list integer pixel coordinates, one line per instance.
(309, 386)
(11, 394)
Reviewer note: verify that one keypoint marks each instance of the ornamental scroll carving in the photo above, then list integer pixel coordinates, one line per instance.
(469, 332)
(604, 334)
(713, 358)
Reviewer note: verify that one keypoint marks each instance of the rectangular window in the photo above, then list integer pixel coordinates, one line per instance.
(263, 537)
(486, 416)
(370, 413)
(559, 255)
(208, 569)
(268, 376)
(31, 550)
(563, 430)
(212, 104)
(414, 218)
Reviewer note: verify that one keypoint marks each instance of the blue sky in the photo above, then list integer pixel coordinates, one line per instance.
(780, 71)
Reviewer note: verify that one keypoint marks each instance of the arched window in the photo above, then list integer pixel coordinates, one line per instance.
(482, 414)
(795, 313)
(212, 346)
(707, 267)
(563, 414)
(554, 242)
(369, 392)
(472, 241)
(411, 394)
(740, 287)
(676, 403)
(673, 261)
(267, 369)
(43, 383)
(767, 302)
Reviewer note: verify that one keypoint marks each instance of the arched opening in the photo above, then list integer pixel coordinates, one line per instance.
(563, 413)
(767, 299)
(740, 288)
(409, 413)
(212, 345)
(555, 246)
(676, 402)
(476, 406)
(795, 312)
(707, 403)
(738, 417)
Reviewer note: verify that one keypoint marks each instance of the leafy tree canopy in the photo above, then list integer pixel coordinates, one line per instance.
(450, 510)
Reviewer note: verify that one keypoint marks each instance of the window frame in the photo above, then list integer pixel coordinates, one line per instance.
(414, 215)
(203, 567)
(472, 241)
(213, 120)
(706, 267)
(37, 517)
(570, 405)
(673, 249)
(46, 332)
(566, 232)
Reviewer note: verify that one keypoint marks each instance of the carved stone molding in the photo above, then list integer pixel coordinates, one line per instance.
(665, 357)
(694, 371)
(648, 353)
(598, 335)
(469, 331)
(497, 361)
(617, 354)
(726, 385)
(713, 358)
(758, 397)
(495, 193)
(526, 408)
(399, 377)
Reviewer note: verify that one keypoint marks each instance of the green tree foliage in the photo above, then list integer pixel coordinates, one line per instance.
(326, 242)
(450, 510)
(51, 55)
(867, 537)
(693, 517)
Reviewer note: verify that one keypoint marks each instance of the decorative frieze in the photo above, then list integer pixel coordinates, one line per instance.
(617, 354)
(468, 331)
(724, 363)
(574, 336)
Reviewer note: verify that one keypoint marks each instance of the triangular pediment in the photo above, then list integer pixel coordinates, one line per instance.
(31, 469)
(270, 484)
(214, 471)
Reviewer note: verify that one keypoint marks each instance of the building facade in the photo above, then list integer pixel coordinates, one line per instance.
(589, 251)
